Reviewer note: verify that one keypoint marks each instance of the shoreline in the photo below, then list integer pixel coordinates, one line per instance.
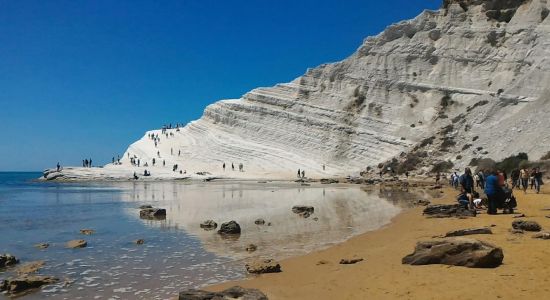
(318, 275)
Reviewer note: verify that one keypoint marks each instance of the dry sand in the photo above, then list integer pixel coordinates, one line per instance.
(525, 273)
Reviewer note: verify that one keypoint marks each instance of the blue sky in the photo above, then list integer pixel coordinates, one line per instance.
(87, 78)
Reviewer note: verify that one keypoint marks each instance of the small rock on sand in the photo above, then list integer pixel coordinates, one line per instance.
(350, 261)
(526, 225)
(87, 231)
(235, 292)
(259, 222)
(251, 248)
(77, 244)
(7, 260)
(542, 235)
(42, 245)
(263, 266)
(24, 283)
(469, 231)
(209, 225)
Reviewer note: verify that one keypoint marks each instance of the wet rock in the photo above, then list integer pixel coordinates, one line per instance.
(542, 235)
(77, 244)
(251, 248)
(329, 181)
(30, 267)
(153, 213)
(42, 245)
(465, 252)
(7, 260)
(263, 266)
(447, 211)
(209, 225)
(469, 231)
(235, 292)
(350, 261)
(259, 222)
(24, 283)
(230, 227)
(87, 231)
(526, 225)
(304, 211)
(139, 242)
(146, 206)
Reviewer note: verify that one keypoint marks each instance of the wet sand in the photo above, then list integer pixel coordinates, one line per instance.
(524, 274)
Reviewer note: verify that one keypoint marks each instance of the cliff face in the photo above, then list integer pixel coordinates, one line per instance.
(469, 80)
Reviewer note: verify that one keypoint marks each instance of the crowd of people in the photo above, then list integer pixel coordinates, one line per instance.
(496, 185)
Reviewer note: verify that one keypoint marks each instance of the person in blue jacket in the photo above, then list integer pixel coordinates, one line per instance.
(492, 190)
(467, 181)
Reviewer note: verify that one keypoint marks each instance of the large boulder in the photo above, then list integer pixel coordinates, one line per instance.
(302, 210)
(447, 211)
(456, 252)
(526, 225)
(209, 225)
(230, 227)
(153, 213)
(469, 231)
(7, 260)
(263, 266)
(235, 292)
(24, 283)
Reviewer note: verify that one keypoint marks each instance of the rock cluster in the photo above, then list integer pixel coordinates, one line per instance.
(153, 213)
(235, 292)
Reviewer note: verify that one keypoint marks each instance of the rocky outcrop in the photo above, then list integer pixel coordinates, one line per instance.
(7, 260)
(263, 266)
(230, 227)
(447, 211)
(457, 252)
(526, 225)
(153, 213)
(235, 292)
(469, 231)
(77, 244)
(209, 225)
(24, 283)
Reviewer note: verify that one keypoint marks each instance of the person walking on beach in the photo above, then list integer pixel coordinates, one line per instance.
(83, 163)
(299, 173)
(139, 162)
(113, 160)
(223, 166)
(467, 181)
(524, 175)
(232, 167)
(538, 179)
(303, 174)
(90, 163)
(492, 189)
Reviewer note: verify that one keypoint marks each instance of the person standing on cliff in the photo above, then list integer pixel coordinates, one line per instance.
(58, 167)
(90, 163)
(303, 174)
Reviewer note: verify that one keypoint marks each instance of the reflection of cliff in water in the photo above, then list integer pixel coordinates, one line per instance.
(340, 212)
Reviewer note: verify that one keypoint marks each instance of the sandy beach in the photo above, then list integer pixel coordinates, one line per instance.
(524, 273)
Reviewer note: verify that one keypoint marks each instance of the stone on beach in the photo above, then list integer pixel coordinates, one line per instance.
(153, 213)
(469, 231)
(526, 225)
(465, 252)
(235, 292)
(259, 222)
(230, 227)
(25, 282)
(263, 266)
(209, 225)
(447, 211)
(7, 260)
(542, 235)
(350, 261)
(251, 248)
(77, 244)
(303, 211)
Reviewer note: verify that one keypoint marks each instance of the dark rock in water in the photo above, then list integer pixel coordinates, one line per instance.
(304, 211)
(447, 211)
(259, 222)
(469, 231)
(251, 248)
(329, 181)
(209, 225)
(42, 245)
(542, 235)
(7, 260)
(24, 283)
(526, 225)
(146, 206)
(87, 231)
(263, 266)
(77, 244)
(456, 252)
(235, 292)
(139, 242)
(153, 213)
(230, 227)
(350, 261)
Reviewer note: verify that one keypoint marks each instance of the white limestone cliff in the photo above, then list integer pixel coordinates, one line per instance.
(467, 81)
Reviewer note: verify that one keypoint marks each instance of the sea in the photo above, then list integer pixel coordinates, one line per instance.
(177, 253)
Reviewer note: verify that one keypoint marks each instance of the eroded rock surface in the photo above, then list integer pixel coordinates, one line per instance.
(469, 231)
(24, 283)
(447, 211)
(263, 266)
(7, 260)
(526, 225)
(235, 292)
